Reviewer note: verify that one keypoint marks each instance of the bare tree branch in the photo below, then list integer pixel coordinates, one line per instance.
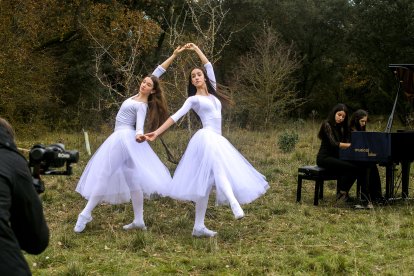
(119, 86)
(264, 79)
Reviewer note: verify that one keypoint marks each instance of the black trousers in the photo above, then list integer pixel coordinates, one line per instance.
(350, 172)
(372, 191)
(374, 183)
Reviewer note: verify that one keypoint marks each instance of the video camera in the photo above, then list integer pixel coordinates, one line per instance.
(43, 160)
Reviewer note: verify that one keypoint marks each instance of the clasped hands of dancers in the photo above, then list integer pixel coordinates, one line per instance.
(123, 170)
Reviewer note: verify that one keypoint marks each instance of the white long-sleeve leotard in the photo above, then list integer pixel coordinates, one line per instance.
(132, 113)
(210, 159)
(121, 165)
(208, 108)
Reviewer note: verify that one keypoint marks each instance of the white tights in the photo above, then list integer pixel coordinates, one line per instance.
(200, 211)
(137, 198)
(223, 184)
(92, 202)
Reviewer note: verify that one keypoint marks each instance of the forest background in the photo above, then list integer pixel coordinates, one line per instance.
(68, 65)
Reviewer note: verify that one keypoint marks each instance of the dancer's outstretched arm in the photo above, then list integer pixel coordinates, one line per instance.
(164, 66)
(151, 136)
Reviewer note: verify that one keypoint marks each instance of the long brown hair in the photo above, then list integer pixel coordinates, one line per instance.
(158, 113)
(157, 106)
(218, 92)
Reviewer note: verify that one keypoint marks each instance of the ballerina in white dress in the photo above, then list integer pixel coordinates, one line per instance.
(122, 169)
(210, 159)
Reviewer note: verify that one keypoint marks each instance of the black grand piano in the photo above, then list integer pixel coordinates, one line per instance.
(387, 148)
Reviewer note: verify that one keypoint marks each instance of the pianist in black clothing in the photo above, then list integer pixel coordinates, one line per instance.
(334, 134)
(358, 122)
(22, 222)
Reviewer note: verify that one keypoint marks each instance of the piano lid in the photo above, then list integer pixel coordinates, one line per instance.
(404, 74)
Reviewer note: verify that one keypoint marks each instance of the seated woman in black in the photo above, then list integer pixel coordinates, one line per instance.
(334, 134)
(358, 122)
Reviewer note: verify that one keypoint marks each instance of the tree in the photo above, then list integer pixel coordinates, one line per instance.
(264, 83)
(28, 73)
(381, 33)
(318, 29)
(47, 57)
(121, 38)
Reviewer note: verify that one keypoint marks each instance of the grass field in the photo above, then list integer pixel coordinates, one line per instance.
(277, 237)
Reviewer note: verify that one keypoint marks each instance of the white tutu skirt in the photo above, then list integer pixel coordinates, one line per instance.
(122, 165)
(209, 161)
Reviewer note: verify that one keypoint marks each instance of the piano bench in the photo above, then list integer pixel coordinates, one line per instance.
(319, 175)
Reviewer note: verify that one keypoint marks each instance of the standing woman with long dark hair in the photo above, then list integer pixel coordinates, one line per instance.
(122, 169)
(210, 160)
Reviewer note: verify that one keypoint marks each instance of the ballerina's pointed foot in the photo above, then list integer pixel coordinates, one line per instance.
(237, 210)
(81, 223)
(135, 225)
(203, 232)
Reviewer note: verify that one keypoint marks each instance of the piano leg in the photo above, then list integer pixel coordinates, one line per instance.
(405, 177)
(389, 179)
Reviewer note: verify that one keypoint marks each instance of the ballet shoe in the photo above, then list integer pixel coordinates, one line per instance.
(237, 210)
(203, 232)
(81, 223)
(135, 225)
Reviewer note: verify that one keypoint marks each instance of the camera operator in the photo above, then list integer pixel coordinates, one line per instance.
(22, 222)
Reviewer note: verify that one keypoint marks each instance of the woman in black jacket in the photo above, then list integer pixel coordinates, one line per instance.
(334, 134)
(22, 222)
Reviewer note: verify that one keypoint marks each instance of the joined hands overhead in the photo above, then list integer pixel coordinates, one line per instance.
(151, 136)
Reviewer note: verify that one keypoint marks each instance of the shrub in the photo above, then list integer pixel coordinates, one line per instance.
(287, 141)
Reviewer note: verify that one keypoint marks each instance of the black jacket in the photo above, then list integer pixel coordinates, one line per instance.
(22, 222)
(331, 136)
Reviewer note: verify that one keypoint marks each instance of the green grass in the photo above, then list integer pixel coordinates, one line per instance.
(277, 237)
